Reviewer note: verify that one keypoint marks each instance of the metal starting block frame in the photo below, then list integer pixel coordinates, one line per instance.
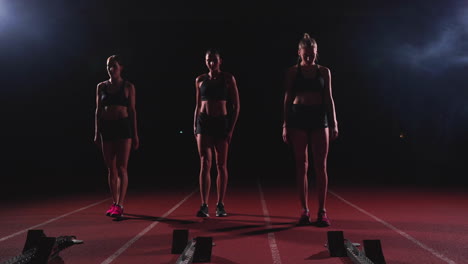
(197, 250)
(355, 254)
(40, 249)
(338, 246)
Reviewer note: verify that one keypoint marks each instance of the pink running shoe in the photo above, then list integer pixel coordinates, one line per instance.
(111, 209)
(118, 211)
(305, 218)
(322, 219)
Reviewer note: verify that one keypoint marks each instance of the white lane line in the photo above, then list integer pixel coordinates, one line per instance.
(271, 236)
(405, 235)
(52, 220)
(146, 230)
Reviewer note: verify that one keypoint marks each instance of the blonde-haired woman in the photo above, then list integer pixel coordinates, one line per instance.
(310, 123)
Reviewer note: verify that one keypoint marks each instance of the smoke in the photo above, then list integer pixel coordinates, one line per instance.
(416, 60)
(446, 47)
(6, 16)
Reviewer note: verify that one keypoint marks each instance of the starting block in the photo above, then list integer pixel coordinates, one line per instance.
(197, 250)
(40, 249)
(338, 246)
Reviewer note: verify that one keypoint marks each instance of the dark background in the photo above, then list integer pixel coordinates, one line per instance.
(398, 68)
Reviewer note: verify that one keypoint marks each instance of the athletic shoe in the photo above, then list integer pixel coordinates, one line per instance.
(220, 211)
(203, 212)
(118, 211)
(111, 209)
(305, 218)
(322, 219)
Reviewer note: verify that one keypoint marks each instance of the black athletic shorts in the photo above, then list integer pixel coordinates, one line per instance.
(215, 126)
(116, 129)
(307, 117)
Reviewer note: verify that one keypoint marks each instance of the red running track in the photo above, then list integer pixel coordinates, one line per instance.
(415, 225)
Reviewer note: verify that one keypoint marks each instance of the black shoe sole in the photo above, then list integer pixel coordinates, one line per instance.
(322, 224)
(116, 216)
(304, 221)
(200, 214)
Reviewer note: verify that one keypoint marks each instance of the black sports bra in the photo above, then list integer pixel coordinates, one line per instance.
(115, 98)
(302, 84)
(214, 89)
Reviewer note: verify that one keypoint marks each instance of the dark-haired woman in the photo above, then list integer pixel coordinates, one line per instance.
(116, 130)
(213, 127)
(310, 123)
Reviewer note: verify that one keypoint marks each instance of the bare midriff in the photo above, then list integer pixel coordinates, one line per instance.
(308, 98)
(114, 112)
(214, 107)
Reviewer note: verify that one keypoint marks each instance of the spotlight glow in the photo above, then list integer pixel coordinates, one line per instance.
(5, 15)
(448, 47)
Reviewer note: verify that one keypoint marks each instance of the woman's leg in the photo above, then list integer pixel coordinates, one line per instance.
(299, 141)
(109, 153)
(319, 146)
(221, 153)
(123, 147)
(319, 140)
(204, 151)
